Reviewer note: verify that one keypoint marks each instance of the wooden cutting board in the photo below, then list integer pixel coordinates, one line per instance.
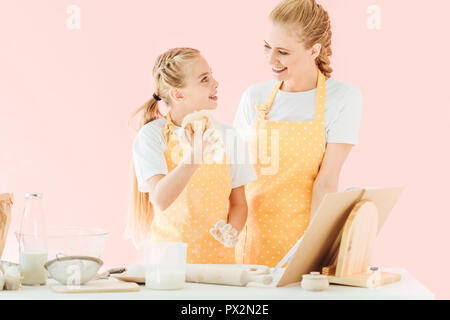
(358, 239)
(327, 224)
(355, 251)
(98, 286)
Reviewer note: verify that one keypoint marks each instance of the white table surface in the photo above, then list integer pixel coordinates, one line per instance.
(407, 288)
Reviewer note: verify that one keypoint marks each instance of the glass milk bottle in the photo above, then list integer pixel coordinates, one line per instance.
(33, 241)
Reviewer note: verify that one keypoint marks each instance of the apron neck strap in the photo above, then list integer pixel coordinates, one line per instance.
(169, 128)
(320, 97)
(263, 110)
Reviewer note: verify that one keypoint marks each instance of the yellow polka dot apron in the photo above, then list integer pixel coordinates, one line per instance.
(287, 158)
(200, 205)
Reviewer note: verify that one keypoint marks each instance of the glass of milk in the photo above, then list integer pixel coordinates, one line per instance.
(165, 265)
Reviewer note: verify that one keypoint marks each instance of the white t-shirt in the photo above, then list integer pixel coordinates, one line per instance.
(343, 109)
(149, 147)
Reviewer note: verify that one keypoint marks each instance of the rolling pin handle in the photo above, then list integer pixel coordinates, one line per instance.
(264, 279)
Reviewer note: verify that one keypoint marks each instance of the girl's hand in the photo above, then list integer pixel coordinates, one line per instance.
(199, 145)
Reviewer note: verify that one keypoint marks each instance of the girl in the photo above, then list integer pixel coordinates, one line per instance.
(175, 198)
(313, 118)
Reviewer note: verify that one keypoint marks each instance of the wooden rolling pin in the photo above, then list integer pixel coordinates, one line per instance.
(227, 274)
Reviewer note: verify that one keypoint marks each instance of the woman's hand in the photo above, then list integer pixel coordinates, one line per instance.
(225, 234)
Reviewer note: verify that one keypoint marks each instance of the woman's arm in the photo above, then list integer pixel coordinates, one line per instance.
(237, 210)
(327, 180)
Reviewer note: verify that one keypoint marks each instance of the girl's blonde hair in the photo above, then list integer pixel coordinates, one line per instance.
(169, 72)
(314, 24)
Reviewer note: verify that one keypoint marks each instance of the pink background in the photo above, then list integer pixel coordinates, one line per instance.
(66, 96)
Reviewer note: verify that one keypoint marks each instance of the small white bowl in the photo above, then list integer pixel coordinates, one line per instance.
(315, 282)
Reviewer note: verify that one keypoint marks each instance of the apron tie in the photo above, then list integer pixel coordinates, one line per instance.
(262, 111)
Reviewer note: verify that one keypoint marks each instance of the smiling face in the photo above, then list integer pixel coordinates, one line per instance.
(200, 91)
(285, 53)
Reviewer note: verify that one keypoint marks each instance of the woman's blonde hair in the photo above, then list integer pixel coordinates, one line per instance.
(314, 24)
(169, 72)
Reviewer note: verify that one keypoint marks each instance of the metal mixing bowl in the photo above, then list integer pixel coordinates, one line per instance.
(73, 270)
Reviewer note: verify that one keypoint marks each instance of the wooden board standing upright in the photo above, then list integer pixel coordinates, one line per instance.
(357, 241)
(351, 266)
(321, 241)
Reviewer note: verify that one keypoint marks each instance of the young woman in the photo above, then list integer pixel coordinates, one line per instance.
(309, 122)
(176, 198)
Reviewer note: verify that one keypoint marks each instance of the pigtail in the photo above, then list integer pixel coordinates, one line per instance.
(140, 210)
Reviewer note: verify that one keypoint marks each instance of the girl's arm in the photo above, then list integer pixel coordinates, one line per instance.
(165, 189)
(237, 210)
(327, 180)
